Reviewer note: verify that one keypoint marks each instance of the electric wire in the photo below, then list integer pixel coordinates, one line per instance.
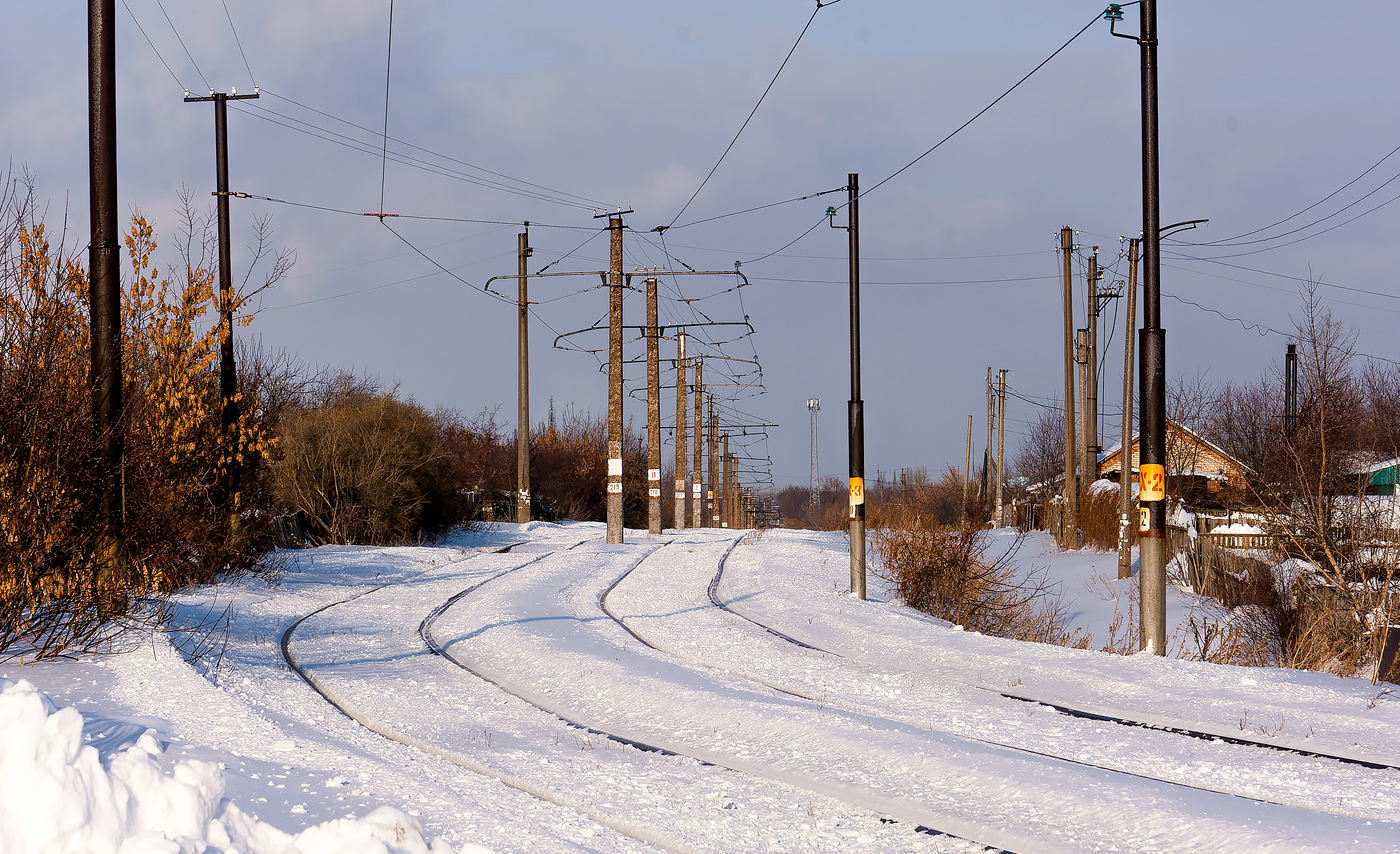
(239, 42)
(748, 210)
(144, 35)
(590, 203)
(182, 44)
(752, 113)
(388, 68)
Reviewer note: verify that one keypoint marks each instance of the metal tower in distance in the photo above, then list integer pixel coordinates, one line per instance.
(814, 498)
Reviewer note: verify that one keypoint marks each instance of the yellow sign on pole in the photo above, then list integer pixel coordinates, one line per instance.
(857, 491)
(1152, 482)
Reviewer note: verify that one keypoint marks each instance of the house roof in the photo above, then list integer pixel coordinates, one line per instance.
(1104, 456)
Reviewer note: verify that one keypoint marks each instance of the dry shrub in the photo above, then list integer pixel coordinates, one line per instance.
(1098, 519)
(52, 599)
(945, 571)
(367, 467)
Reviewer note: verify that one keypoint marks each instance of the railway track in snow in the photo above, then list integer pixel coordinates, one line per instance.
(1071, 711)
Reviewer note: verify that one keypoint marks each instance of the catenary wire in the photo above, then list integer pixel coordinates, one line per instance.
(182, 45)
(153, 47)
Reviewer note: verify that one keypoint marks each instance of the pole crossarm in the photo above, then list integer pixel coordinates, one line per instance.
(600, 327)
(487, 286)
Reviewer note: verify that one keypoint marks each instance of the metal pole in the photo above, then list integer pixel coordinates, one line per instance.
(653, 413)
(727, 511)
(1086, 466)
(857, 405)
(814, 495)
(1125, 470)
(105, 297)
(697, 480)
(710, 492)
(228, 372)
(967, 468)
(1290, 389)
(522, 420)
(1001, 443)
(681, 391)
(1091, 394)
(615, 382)
(1069, 515)
(988, 461)
(1152, 471)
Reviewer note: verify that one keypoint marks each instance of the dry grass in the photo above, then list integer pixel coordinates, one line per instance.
(945, 571)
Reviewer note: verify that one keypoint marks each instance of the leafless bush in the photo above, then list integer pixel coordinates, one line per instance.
(945, 571)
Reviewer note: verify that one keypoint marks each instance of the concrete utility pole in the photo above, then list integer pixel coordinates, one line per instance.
(653, 413)
(105, 300)
(714, 466)
(814, 495)
(1001, 442)
(967, 468)
(1152, 403)
(1069, 515)
(228, 371)
(1125, 469)
(681, 434)
(698, 475)
(522, 416)
(988, 461)
(615, 380)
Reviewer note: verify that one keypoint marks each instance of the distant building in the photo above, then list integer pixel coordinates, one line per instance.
(1196, 467)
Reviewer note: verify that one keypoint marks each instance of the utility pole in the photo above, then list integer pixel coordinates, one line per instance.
(857, 405)
(681, 434)
(653, 413)
(228, 372)
(522, 418)
(1152, 403)
(727, 513)
(988, 461)
(1290, 389)
(105, 302)
(615, 379)
(1086, 465)
(714, 466)
(1125, 469)
(1091, 411)
(698, 475)
(814, 495)
(1001, 442)
(1069, 514)
(967, 468)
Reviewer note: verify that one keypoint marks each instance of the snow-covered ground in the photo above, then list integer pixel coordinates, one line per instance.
(530, 688)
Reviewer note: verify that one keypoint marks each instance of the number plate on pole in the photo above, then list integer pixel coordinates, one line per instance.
(1152, 482)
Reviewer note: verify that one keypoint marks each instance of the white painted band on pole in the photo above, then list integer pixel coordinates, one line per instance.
(680, 496)
(653, 492)
(653, 474)
(697, 490)
(615, 467)
(614, 489)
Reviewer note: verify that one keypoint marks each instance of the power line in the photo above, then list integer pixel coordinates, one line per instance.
(182, 44)
(752, 112)
(384, 153)
(750, 210)
(239, 42)
(153, 47)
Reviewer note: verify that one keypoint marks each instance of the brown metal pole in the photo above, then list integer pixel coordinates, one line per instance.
(1001, 443)
(711, 492)
(1091, 391)
(1086, 476)
(522, 420)
(105, 297)
(698, 476)
(681, 391)
(727, 513)
(615, 283)
(1069, 515)
(1125, 470)
(653, 413)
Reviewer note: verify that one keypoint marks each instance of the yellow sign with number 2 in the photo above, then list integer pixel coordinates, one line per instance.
(1152, 482)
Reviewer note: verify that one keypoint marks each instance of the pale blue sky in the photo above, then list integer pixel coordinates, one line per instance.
(1266, 108)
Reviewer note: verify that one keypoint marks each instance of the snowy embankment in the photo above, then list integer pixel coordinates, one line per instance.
(561, 650)
(58, 794)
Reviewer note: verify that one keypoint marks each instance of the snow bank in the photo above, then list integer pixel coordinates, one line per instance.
(57, 795)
